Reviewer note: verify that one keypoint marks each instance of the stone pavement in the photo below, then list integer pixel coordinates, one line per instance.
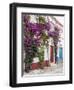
(54, 69)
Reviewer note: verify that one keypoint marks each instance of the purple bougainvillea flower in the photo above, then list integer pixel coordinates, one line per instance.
(47, 26)
(53, 33)
(33, 34)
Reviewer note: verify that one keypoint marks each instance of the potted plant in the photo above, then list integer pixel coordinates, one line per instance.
(41, 56)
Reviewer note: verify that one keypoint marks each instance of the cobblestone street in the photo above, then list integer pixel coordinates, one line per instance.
(54, 69)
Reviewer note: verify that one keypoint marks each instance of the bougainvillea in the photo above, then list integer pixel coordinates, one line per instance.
(36, 34)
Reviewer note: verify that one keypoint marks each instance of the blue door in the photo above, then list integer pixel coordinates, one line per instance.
(61, 53)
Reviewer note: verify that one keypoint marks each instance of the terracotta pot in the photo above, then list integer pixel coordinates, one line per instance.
(34, 66)
(41, 65)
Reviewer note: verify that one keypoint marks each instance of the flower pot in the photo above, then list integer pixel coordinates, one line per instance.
(34, 66)
(41, 65)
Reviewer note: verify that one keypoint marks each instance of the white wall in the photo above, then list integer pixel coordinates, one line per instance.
(4, 43)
